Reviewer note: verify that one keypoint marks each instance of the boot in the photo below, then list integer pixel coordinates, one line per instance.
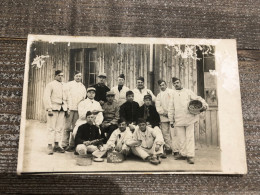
(154, 161)
(69, 149)
(190, 160)
(180, 157)
(58, 149)
(50, 150)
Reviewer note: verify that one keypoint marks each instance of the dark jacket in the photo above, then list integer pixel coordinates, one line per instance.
(150, 114)
(101, 91)
(128, 111)
(87, 132)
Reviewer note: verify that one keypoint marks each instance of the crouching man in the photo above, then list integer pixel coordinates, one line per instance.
(150, 146)
(117, 141)
(87, 139)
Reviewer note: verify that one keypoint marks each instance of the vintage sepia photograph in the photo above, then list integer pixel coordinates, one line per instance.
(131, 105)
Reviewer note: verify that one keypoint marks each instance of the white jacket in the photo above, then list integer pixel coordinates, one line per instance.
(55, 96)
(120, 97)
(76, 93)
(162, 103)
(139, 95)
(89, 105)
(178, 107)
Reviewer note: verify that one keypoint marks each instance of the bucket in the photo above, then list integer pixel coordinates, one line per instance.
(84, 160)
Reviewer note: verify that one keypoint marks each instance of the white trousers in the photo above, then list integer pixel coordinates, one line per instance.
(144, 153)
(82, 149)
(170, 136)
(186, 140)
(55, 126)
(69, 126)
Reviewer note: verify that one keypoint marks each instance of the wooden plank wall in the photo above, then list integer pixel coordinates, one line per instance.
(168, 64)
(114, 59)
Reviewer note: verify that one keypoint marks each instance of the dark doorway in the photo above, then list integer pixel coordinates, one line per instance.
(84, 60)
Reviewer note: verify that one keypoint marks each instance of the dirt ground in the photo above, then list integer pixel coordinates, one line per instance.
(36, 159)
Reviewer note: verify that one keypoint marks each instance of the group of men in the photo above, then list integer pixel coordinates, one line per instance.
(97, 119)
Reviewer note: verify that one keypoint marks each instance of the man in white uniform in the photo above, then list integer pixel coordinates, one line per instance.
(76, 93)
(140, 91)
(183, 120)
(117, 140)
(56, 104)
(162, 107)
(151, 143)
(89, 104)
(120, 90)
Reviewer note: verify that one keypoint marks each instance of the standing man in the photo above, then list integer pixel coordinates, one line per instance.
(76, 93)
(162, 107)
(140, 91)
(151, 142)
(111, 116)
(120, 90)
(56, 104)
(183, 120)
(101, 89)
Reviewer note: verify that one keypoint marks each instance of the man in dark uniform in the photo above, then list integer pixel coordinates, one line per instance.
(101, 89)
(129, 110)
(148, 112)
(86, 135)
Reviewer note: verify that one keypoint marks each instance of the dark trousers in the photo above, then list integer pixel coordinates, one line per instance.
(106, 132)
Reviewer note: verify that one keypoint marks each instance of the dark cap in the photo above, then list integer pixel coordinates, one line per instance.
(140, 78)
(129, 93)
(141, 120)
(88, 113)
(161, 81)
(174, 79)
(148, 97)
(102, 74)
(77, 72)
(110, 93)
(57, 72)
(121, 76)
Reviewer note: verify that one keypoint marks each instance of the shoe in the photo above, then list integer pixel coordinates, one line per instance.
(148, 158)
(179, 157)
(175, 153)
(69, 149)
(163, 155)
(190, 160)
(154, 161)
(50, 150)
(76, 153)
(58, 149)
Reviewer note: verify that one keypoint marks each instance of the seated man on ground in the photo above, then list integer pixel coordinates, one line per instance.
(148, 112)
(117, 140)
(88, 138)
(129, 110)
(150, 146)
(111, 116)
